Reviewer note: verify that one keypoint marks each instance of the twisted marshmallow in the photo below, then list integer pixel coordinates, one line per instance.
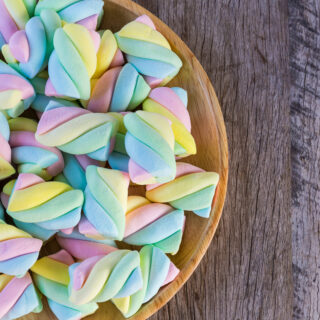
(52, 279)
(18, 297)
(172, 104)
(72, 62)
(105, 203)
(52, 206)
(149, 51)
(16, 93)
(81, 247)
(74, 172)
(41, 102)
(78, 131)
(6, 169)
(101, 278)
(29, 154)
(119, 89)
(18, 250)
(28, 50)
(6, 192)
(193, 189)
(84, 12)
(150, 145)
(119, 158)
(108, 55)
(14, 16)
(157, 271)
(153, 223)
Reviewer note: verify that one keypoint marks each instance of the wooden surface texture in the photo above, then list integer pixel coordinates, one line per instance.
(304, 21)
(263, 59)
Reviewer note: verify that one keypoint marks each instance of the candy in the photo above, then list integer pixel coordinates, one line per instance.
(78, 131)
(157, 271)
(84, 12)
(14, 15)
(28, 50)
(119, 89)
(193, 189)
(101, 278)
(29, 154)
(52, 279)
(18, 250)
(72, 62)
(149, 51)
(108, 55)
(18, 297)
(119, 158)
(6, 192)
(82, 247)
(172, 104)
(41, 102)
(153, 223)
(74, 172)
(37, 204)
(16, 93)
(105, 203)
(150, 145)
(6, 169)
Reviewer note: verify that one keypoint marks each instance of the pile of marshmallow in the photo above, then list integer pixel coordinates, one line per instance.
(106, 121)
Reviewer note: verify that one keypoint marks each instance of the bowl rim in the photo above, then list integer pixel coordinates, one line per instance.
(168, 292)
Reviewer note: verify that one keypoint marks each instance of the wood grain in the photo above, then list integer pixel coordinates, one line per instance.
(304, 22)
(243, 45)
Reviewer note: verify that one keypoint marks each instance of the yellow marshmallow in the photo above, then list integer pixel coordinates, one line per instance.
(140, 31)
(52, 270)
(82, 40)
(36, 195)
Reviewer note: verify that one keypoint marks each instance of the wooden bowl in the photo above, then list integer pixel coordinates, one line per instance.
(208, 128)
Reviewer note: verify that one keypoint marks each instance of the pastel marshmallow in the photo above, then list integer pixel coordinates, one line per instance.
(6, 169)
(105, 203)
(28, 50)
(72, 63)
(149, 51)
(157, 271)
(193, 189)
(153, 223)
(50, 206)
(172, 104)
(30, 155)
(18, 297)
(52, 279)
(149, 142)
(77, 131)
(84, 12)
(18, 250)
(101, 278)
(119, 89)
(16, 92)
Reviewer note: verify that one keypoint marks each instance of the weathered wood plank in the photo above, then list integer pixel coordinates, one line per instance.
(304, 22)
(243, 46)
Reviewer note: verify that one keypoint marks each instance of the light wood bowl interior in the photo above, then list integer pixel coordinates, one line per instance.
(209, 131)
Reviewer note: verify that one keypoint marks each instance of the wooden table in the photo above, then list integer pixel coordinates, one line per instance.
(263, 59)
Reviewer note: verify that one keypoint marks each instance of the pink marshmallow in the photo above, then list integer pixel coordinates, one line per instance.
(144, 216)
(12, 292)
(20, 246)
(83, 270)
(171, 101)
(19, 46)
